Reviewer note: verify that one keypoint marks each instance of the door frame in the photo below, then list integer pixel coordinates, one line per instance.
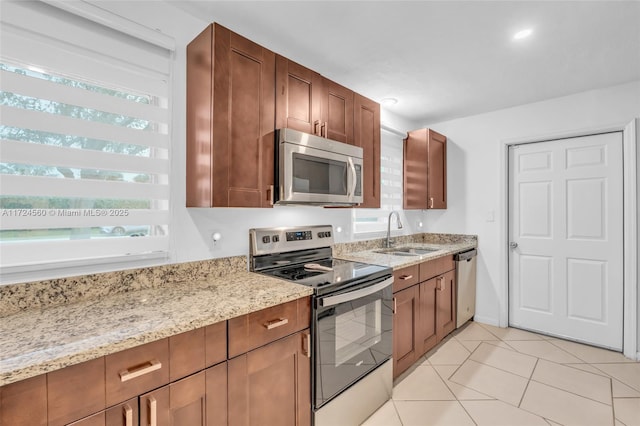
(631, 158)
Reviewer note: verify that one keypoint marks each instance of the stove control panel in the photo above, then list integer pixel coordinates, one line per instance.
(278, 240)
(299, 235)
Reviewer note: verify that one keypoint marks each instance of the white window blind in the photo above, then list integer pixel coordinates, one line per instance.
(84, 141)
(375, 220)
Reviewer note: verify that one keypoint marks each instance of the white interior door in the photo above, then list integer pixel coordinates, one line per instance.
(566, 234)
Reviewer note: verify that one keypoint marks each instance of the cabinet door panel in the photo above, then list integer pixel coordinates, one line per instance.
(187, 399)
(271, 385)
(216, 382)
(446, 304)
(415, 166)
(24, 403)
(427, 316)
(366, 128)
(337, 112)
(405, 336)
(298, 97)
(243, 121)
(155, 406)
(437, 179)
(125, 414)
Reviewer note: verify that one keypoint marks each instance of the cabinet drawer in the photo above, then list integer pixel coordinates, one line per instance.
(137, 370)
(259, 328)
(436, 267)
(216, 343)
(405, 277)
(186, 353)
(24, 403)
(75, 392)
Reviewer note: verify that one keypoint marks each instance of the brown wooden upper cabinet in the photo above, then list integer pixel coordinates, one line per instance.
(425, 170)
(310, 103)
(367, 136)
(230, 120)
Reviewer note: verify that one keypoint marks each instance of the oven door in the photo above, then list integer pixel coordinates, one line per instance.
(352, 336)
(314, 176)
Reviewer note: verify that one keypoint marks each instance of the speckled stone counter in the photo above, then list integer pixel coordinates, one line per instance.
(444, 244)
(39, 340)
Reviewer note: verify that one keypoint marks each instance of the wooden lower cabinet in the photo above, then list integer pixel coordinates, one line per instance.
(24, 402)
(445, 304)
(271, 385)
(424, 314)
(405, 335)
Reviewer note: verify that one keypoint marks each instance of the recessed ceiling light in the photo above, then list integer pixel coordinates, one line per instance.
(388, 101)
(522, 34)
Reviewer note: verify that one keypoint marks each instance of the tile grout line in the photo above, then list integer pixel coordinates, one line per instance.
(528, 382)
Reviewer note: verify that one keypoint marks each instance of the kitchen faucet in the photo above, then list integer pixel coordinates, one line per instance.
(388, 244)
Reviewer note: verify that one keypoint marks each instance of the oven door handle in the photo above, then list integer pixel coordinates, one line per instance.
(353, 295)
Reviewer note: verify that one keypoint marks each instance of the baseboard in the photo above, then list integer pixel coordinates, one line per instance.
(487, 320)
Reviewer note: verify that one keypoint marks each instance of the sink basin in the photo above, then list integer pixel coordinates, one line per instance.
(406, 251)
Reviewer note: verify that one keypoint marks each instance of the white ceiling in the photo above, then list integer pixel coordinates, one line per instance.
(446, 59)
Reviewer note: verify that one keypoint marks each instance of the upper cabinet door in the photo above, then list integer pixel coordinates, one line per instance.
(337, 112)
(234, 129)
(425, 170)
(437, 179)
(298, 97)
(415, 166)
(366, 126)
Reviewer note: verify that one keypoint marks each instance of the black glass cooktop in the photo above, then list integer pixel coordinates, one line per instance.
(342, 273)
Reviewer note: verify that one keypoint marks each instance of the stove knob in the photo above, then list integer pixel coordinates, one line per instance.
(266, 239)
(327, 234)
(275, 238)
(320, 234)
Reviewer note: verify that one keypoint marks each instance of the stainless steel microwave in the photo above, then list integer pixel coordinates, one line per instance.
(316, 171)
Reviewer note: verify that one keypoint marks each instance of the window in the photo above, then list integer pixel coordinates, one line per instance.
(375, 220)
(84, 141)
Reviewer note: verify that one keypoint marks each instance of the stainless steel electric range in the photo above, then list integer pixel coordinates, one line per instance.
(352, 316)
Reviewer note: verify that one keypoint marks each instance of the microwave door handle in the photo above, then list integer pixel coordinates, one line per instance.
(354, 179)
(353, 295)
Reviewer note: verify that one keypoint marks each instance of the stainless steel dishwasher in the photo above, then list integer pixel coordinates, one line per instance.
(465, 285)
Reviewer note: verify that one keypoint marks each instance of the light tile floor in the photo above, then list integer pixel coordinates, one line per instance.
(484, 375)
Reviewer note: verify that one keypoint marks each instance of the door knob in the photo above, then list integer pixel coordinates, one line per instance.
(513, 244)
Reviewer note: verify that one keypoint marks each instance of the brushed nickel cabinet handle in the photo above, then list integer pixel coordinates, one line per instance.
(270, 194)
(127, 411)
(276, 323)
(406, 277)
(324, 129)
(395, 305)
(315, 128)
(431, 202)
(306, 344)
(140, 370)
(153, 411)
(440, 285)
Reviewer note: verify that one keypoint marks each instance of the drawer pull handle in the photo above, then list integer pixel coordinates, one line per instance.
(306, 343)
(276, 323)
(140, 370)
(441, 284)
(153, 412)
(128, 415)
(406, 277)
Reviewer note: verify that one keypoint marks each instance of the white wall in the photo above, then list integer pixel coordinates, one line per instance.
(474, 169)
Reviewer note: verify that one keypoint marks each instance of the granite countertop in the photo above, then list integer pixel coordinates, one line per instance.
(397, 262)
(41, 340)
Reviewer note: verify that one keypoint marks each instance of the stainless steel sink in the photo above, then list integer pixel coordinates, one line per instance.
(406, 251)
